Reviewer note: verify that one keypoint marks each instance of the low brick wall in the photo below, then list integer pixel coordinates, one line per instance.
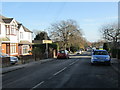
(6, 61)
(26, 59)
(35, 57)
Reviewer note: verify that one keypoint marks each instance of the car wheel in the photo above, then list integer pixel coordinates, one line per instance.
(108, 63)
(92, 63)
(12, 63)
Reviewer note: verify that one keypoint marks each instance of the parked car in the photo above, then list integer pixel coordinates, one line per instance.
(79, 52)
(100, 56)
(13, 59)
(63, 54)
(3, 55)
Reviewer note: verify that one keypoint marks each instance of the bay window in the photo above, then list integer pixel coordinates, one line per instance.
(12, 48)
(25, 49)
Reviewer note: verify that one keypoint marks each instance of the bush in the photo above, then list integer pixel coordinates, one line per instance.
(39, 50)
(118, 53)
(74, 48)
(106, 46)
(114, 53)
(54, 46)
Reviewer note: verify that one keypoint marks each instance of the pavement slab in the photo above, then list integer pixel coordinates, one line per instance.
(16, 67)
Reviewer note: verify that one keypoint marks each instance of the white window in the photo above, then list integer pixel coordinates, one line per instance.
(21, 35)
(28, 35)
(13, 28)
(0, 28)
(25, 49)
(13, 48)
(7, 29)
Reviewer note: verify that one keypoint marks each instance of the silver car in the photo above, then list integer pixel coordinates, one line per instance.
(100, 56)
(13, 59)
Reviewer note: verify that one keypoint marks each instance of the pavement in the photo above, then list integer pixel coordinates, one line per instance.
(20, 66)
(114, 63)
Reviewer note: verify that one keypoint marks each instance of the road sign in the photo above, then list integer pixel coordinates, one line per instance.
(47, 41)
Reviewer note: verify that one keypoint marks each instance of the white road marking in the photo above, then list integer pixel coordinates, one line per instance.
(60, 71)
(72, 63)
(37, 85)
(50, 77)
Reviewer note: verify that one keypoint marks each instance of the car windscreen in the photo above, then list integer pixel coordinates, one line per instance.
(100, 53)
(14, 58)
(62, 51)
(4, 55)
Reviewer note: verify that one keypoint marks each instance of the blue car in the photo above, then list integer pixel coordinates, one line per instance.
(100, 56)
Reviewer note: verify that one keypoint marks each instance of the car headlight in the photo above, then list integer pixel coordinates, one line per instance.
(107, 57)
(94, 58)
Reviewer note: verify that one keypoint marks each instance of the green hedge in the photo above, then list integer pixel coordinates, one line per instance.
(114, 53)
(73, 48)
(118, 53)
(43, 46)
(54, 46)
(106, 46)
(39, 50)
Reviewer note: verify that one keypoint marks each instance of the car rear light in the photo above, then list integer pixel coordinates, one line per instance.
(58, 53)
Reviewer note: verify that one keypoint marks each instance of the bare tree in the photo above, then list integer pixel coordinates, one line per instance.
(67, 32)
(111, 33)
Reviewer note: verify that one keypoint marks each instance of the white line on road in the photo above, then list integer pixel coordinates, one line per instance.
(72, 63)
(50, 77)
(37, 85)
(60, 71)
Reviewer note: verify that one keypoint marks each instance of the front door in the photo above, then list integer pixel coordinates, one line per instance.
(8, 48)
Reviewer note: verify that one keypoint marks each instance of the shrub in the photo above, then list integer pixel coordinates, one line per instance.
(74, 48)
(114, 53)
(39, 50)
(118, 53)
(106, 46)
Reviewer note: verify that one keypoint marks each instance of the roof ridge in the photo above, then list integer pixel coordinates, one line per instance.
(8, 20)
(26, 29)
(3, 16)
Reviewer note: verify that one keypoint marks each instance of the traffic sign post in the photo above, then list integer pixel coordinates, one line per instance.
(46, 50)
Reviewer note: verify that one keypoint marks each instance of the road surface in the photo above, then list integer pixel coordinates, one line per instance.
(75, 72)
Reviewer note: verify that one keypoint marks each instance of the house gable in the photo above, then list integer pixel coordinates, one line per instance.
(7, 20)
(13, 22)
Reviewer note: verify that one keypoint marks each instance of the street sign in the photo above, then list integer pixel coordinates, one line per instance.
(47, 41)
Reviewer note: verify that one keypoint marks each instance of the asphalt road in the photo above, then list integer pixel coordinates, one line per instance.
(75, 72)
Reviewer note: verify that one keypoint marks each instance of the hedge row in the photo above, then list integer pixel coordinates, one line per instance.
(115, 53)
(39, 50)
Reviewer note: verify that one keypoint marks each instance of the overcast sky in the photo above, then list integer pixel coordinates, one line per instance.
(40, 15)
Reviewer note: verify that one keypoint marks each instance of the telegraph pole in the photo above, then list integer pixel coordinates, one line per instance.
(46, 50)
(46, 42)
